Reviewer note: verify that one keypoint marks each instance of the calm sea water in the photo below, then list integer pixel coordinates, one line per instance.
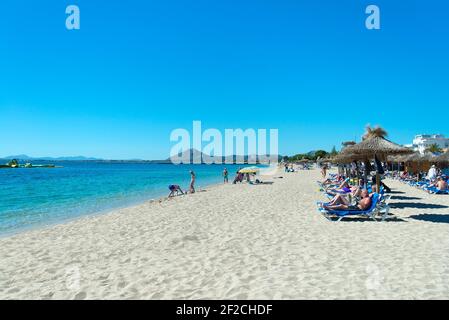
(35, 197)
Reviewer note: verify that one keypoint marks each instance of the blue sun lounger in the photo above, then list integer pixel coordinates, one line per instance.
(435, 190)
(370, 212)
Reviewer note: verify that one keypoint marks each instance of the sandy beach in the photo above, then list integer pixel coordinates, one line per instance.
(237, 242)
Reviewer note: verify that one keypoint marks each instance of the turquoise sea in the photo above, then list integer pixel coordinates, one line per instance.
(36, 197)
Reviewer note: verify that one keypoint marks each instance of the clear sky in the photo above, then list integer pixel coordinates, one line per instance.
(139, 69)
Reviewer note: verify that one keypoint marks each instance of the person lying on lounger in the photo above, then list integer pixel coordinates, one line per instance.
(439, 186)
(337, 179)
(363, 204)
(347, 198)
(344, 188)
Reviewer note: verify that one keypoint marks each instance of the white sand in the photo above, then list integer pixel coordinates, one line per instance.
(236, 241)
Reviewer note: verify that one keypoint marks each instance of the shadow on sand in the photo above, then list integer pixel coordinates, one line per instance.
(416, 205)
(404, 198)
(390, 218)
(429, 217)
(396, 192)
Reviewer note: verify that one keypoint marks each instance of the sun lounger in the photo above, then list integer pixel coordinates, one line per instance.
(377, 207)
(435, 190)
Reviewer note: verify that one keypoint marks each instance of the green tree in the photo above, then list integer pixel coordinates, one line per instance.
(434, 148)
(333, 152)
(320, 154)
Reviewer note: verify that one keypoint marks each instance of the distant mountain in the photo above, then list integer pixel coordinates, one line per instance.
(199, 156)
(27, 158)
(19, 157)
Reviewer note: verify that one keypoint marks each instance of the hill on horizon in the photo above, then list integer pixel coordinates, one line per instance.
(72, 158)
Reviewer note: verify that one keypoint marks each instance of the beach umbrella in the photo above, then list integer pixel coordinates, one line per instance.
(442, 159)
(346, 157)
(375, 144)
(249, 170)
(398, 159)
(416, 159)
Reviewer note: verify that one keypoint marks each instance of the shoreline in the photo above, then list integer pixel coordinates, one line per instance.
(138, 203)
(237, 242)
(52, 217)
(67, 220)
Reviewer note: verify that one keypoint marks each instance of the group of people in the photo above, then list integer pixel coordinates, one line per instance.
(346, 197)
(239, 177)
(176, 189)
(435, 181)
(290, 168)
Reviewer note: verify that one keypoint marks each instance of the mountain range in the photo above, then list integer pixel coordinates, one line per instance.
(190, 154)
(28, 158)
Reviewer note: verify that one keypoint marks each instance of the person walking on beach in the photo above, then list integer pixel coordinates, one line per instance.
(225, 175)
(192, 182)
(432, 174)
(323, 171)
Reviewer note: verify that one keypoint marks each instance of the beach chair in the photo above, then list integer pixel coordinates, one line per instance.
(376, 208)
(435, 190)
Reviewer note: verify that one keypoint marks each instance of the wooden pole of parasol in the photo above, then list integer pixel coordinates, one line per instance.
(377, 177)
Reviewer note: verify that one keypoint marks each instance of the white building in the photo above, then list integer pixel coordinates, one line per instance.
(422, 141)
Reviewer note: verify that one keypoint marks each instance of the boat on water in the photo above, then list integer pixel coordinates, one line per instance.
(15, 164)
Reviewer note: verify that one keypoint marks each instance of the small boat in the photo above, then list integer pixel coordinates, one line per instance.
(15, 164)
(43, 166)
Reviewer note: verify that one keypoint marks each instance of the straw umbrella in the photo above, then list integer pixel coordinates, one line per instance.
(413, 160)
(253, 170)
(443, 159)
(398, 159)
(347, 158)
(421, 160)
(375, 144)
(342, 159)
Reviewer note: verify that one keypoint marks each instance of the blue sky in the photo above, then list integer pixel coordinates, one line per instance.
(139, 69)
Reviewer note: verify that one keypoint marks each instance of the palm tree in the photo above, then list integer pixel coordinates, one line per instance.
(434, 148)
(374, 132)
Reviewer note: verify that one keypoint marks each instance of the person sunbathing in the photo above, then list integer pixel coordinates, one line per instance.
(345, 198)
(344, 188)
(329, 181)
(439, 186)
(363, 204)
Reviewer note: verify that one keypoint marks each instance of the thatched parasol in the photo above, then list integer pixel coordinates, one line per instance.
(342, 158)
(414, 157)
(428, 157)
(444, 158)
(375, 144)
